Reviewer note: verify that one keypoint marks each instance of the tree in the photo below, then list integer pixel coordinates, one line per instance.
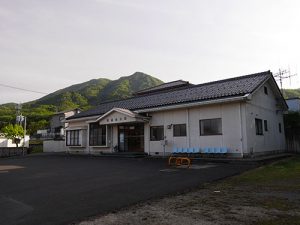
(13, 132)
(37, 125)
(292, 119)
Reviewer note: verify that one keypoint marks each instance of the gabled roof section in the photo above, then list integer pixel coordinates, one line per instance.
(222, 89)
(122, 111)
(164, 87)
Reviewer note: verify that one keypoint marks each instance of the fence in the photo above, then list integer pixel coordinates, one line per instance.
(7, 152)
(293, 139)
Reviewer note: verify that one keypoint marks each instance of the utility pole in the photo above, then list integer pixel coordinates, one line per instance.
(19, 120)
(281, 75)
(18, 108)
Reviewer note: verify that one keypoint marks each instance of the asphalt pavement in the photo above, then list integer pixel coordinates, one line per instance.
(62, 189)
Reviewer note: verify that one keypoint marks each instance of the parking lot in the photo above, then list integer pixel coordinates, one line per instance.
(62, 189)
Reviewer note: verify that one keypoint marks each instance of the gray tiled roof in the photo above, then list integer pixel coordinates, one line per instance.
(237, 86)
(164, 86)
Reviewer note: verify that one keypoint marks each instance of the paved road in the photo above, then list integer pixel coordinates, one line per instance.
(49, 189)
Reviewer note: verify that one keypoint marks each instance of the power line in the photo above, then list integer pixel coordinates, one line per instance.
(22, 89)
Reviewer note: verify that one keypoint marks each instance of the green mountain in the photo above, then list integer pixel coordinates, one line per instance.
(93, 92)
(84, 95)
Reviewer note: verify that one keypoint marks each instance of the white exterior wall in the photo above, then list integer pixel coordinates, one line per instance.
(54, 146)
(4, 142)
(264, 107)
(231, 128)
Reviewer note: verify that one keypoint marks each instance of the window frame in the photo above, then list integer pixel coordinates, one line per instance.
(279, 128)
(259, 126)
(266, 125)
(95, 131)
(73, 138)
(182, 131)
(157, 127)
(266, 90)
(207, 120)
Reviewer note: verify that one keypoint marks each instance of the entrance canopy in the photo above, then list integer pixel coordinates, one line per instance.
(119, 115)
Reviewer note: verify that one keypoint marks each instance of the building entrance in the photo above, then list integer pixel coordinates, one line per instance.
(131, 137)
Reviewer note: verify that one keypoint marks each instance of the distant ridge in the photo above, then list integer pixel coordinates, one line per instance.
(84, 95)
(95, 91)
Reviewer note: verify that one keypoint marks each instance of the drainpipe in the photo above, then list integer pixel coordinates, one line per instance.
(148, 138)
(112, 138)
(88, 139)
(241, 124)
(188, 127)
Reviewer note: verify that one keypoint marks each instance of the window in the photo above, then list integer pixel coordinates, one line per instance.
(156, 133)
(265, 90)
(97, 135)
(258, 126)
(266, 125)
(73, 138)
(179, 130)
(279, 127)
(211, 127)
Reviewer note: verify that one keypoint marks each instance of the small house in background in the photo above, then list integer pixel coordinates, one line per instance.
(58, 123)
(243, 115)
(293, 104)
(54, 137)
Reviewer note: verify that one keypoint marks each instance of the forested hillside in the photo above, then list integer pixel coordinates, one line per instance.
(84, 95)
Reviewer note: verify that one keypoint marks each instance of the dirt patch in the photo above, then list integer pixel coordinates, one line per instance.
(9, 167)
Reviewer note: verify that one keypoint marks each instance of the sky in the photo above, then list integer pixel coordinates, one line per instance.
(46, 45)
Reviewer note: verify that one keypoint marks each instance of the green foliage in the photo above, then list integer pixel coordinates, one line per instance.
(292, 119)
(291, 93)
(13, 132)
(37, 125)
(121, 91)
(125, 87)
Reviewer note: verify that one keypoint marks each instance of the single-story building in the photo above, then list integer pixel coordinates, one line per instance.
(243, 114)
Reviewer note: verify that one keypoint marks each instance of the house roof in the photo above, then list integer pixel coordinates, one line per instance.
(66, 111)
(163, 87)
(222, 89)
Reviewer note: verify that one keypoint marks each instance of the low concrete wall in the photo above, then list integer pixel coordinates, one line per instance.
(54, 146)
(7, 152)
(4, 142)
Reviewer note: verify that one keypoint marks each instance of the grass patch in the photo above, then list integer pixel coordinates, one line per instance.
(278, 203)
(286, 220)
(35, 149)
(280, 173)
